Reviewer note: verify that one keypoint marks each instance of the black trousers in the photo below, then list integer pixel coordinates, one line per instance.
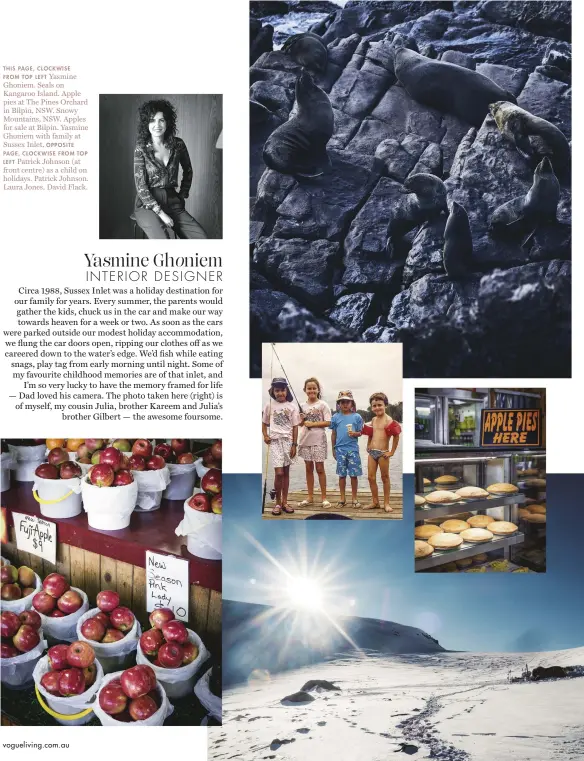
(185, 226)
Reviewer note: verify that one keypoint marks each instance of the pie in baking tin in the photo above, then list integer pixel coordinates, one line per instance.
(476, 535)
(472, 492)
(442, 496)
(502, 528)
(480, 521)
(541, 509)
(422, 549)
(446, 480)
(536, 483)
(454, 526)
(502, 489)
(445, 541)
(536, 518)
(419, 500)
(426, 531)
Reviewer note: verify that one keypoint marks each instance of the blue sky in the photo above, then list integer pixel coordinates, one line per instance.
(368, 568)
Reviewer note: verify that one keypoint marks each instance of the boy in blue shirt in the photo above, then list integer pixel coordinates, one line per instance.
(346, 428)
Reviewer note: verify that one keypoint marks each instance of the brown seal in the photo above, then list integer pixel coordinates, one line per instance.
(308, 50)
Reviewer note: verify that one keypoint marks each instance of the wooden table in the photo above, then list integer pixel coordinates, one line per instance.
(364, 497)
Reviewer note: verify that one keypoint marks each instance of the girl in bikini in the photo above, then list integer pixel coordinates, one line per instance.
(315, 417)
(381, 429)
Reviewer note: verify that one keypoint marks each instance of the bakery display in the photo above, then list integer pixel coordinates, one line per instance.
(454, 526)
(446, 480)
(422, 549)
(445, 541)
(502, 489)
(441, 497)
(419, 500)
(476, 535)
(502, 528)
(472, 492)
(426, 531)
(479, 521)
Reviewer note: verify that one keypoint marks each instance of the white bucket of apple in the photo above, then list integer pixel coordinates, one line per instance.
(26, 459)
(60, 607)
(22, 645)
(57, 485)
(109, 496)
(202, 525)
(174, 652)
(212, 703)
(67, 680)
(7, 463)
(19, 586)
(182, 480)
(112, 630)
(132, 697)
(151, 484)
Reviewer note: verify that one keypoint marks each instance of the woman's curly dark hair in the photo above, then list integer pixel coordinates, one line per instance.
(146, 113)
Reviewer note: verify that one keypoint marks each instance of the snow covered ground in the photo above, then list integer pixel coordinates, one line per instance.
(449, 706)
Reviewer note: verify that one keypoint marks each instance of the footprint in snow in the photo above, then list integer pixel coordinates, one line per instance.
(275, 744)
(320, 723)
(303, 730)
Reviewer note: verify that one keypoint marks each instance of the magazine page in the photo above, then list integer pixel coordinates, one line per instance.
(353, 220)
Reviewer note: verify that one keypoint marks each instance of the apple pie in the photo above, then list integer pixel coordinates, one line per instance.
(422, 549)
(464, 563)
(454, 526)
(419, 500)
(527, 472)
(476, 535)
(442, 497)
(502, 528)
(445, 541)
(536, 518)
(427, 482)
(536, 483)
(479, 521)
(480, 558)
(426, 531)
(524, 512)
(541, 509)
(472, 492)
(446, 480)
(502, 489)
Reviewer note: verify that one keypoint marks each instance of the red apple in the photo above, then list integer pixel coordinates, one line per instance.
(47, 471)
(9, 623)
(104, 618)
(217, 504)
(58, 657)
(217, 450)
(142, 708)
(208, 460)
(70, 469)
(28, 591)
(80, 654)
(138, 680)
(185, 459)
(93, 444)
(112, 635)
(122, 444)
(112, 457)
(57, 456)
(191, 653)
(44, 603)
(26, 638)
(143, 448)
(8, 651)
(150, 641)
(125, 462)
(57, 614)
(50, 682)
(55, 585)
(93, 629)
(70, 602)
(171, 655)
(137, 462)
(96, 457)
(112, 698)
(122, 618)
(71, 682)
(156, 462)
(159, 617)
(175, 631)
(8, 574)
(200, 502)
(163, 450)
(179, 446)
(11, 592)
(211, 481)
(30, 617)
(107, 600)
(83, 452)
(89, 674)
(123, 478)
(102, 474)
(84, 460)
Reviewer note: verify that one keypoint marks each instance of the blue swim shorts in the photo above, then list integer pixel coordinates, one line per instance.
(348, 463)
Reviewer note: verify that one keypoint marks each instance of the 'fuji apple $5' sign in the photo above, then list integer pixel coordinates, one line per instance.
(167, 584)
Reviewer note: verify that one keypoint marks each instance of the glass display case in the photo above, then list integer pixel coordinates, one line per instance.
(449, 417)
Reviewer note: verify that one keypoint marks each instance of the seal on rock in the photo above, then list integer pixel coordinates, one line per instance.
(524, 214)
(425, 201)
(308, 50)
(532, 135)
(457, 252)
(447, 87)
(298, 147)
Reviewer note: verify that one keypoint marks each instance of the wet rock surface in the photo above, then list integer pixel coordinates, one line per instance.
(321, 270)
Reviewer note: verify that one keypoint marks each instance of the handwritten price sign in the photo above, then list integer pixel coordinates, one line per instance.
(167, 584)
(36, 535)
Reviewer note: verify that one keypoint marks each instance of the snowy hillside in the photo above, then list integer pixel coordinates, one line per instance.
(449, 706)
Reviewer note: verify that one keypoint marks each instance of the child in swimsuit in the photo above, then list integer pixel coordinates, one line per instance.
(381, 429)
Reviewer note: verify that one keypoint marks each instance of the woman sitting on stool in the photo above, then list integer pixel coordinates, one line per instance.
(157, 157)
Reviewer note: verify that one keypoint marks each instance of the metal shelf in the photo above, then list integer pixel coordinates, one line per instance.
(468, 550)
(464, 505)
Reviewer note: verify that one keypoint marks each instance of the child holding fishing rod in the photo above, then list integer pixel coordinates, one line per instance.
(280, 421)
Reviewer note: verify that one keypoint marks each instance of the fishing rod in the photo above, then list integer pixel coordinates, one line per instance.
(287, 379)
(267, 445)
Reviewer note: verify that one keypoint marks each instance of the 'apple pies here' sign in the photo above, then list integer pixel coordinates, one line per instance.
(35, 535)
(167, 584)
